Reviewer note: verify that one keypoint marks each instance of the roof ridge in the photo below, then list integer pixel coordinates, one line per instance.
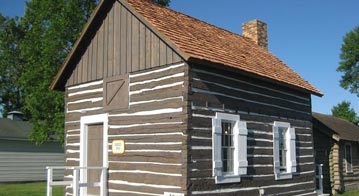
(331, 116)
(200, 36)
(195, 39)
(159, 5)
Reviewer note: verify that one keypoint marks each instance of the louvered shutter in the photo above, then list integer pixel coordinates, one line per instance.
(292, 148)
(242, 147)
(276, 162)
(216, 147)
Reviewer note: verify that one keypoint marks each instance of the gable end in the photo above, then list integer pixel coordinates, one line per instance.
(115, 41)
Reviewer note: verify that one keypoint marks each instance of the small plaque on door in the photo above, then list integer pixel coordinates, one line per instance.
(118, 147)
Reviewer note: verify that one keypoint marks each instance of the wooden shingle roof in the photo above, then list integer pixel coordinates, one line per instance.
(201, 40)
(194, 39)
(342, 128)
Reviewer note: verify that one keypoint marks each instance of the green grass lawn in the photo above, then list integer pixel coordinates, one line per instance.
(29, 189)
(349, 193)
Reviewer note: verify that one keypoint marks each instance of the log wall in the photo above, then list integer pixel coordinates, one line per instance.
(154, 129)
(260, 104)
(336, 169)
(324, 146)
(331, 153)
(350, 181)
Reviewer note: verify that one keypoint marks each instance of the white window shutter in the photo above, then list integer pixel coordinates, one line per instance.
(242, 147)
(292, 146)
(276, 162)
(216, 147)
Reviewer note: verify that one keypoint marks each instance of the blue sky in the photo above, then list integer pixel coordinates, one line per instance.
(306, 34)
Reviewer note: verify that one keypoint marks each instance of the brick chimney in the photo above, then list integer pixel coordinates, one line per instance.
(257, 31)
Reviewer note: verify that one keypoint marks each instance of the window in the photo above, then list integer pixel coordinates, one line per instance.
(284, 153)
(348, 158)
(229, 148)
(282, 149)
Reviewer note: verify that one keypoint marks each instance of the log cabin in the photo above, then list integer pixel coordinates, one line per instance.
(336, 148)
(171, 105)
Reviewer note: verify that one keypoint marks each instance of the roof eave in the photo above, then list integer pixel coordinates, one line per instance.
(336, 137)
(58, 83)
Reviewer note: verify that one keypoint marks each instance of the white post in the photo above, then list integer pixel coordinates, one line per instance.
(75, 182)
(49, 181)
(320, 178)
(103, 181)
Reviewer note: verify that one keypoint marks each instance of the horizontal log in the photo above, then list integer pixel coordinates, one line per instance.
(91, 87)
(172, 103)
(137, 120)
(72, 126)
(159, 155)
(217, 101)
(76, 116)
(79, 97)
(156, 83)
(134, 146)
(141, 188)
(247, 182)
(83, 105)
(144, 178)
(249, 84)
(146, 130)
(174, 169)
(175, 91)
(153, 75)
(232, 90)
(264, 119)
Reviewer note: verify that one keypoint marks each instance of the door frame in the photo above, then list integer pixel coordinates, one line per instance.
(85, 121)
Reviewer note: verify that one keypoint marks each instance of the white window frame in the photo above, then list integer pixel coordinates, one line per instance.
(291, 166)
(85, 121)
(346, 159)
(240, 162)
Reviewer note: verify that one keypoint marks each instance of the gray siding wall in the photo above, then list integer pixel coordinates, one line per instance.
(153, 128)
(22, 161)
(258, 103)
(122, 44)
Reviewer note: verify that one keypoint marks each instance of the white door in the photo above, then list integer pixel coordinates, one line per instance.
(94, 156)
(93, 152)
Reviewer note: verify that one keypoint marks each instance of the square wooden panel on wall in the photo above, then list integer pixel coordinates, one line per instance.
(116, 93)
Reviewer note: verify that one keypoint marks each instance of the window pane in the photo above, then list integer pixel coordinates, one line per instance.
(227, 147)
(348, 157)
(282, 131)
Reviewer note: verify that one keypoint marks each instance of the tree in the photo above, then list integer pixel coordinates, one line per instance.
(11, 64)
(349, 62)
(31, 50)
(51, 28)
(344, 111)
(162, 2)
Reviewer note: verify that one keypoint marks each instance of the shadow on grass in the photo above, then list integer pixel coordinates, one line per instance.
(349, 193)
(29, 189)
